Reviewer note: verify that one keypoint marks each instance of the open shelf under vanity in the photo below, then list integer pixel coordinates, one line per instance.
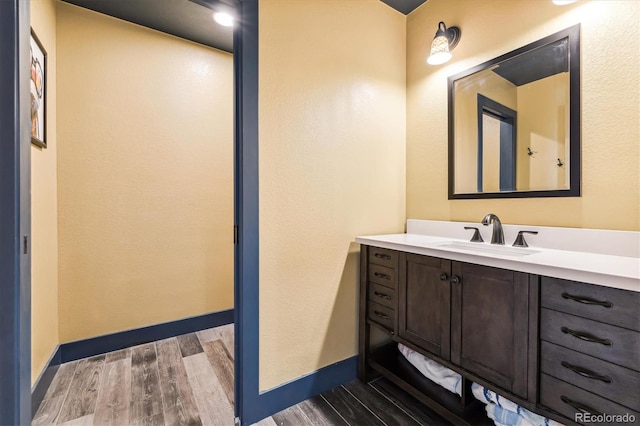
(460, 410)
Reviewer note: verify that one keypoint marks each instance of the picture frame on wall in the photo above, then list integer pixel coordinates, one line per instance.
(38, 77)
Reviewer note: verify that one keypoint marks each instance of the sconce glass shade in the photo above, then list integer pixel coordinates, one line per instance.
(443, 42)
(439, 51)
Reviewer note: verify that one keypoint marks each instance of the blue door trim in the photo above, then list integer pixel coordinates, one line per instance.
(15, 216)
(246, 209)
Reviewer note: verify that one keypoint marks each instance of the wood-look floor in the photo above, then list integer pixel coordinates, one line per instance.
(188, 380)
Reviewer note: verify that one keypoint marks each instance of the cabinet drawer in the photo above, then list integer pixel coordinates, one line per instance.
(381, 314)
(604, 304)
(618, 345)
(600, 377)
(382, 275)
(382, 295)
(575, 403)
(383, 257)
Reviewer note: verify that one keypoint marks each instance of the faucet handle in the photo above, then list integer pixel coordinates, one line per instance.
(520, 241)
(477, 238)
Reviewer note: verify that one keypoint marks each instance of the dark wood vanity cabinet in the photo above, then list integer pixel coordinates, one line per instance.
(590, 349)
(491, 323)
(471, 318)
(555, 347)
(424, 308)
(382, 283)
(475, 316)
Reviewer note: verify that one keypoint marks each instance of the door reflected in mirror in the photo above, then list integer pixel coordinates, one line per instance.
(514, 123)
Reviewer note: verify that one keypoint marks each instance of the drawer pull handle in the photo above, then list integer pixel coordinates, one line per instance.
(586, 336)
(587, 300)
(584, 372)
(579, 406)
(382, 295)
(382, 256)
(381, 315)
(380, 275)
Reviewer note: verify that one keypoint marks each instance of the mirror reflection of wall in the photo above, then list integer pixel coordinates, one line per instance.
(544, 106)
(533, 84)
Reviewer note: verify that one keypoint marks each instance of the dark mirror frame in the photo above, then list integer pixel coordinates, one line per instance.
(573, 35)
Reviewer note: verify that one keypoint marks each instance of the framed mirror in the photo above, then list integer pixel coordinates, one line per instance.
(514, 123)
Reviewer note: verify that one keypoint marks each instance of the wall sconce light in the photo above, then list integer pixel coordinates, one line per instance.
(443, 43)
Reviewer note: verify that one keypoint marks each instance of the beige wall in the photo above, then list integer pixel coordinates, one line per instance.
(44, 207)
(543, 110)
(610, 108)
(332, 166)
(145, 126)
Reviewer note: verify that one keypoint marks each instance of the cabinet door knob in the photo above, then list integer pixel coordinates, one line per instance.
(444, 277)
(455, 279)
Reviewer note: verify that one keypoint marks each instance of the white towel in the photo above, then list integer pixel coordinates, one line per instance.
(504, 411)
(502, 416)
(448, 379)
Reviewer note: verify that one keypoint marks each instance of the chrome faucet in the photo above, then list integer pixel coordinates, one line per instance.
(497, 236)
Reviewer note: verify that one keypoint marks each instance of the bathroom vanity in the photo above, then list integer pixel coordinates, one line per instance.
(555, 330)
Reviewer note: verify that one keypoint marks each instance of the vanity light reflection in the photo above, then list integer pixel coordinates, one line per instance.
(224, 19)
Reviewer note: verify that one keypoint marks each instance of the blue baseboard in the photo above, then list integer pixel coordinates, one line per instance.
(72, 351)
(308, 386)
(44, 381)
(112, 342)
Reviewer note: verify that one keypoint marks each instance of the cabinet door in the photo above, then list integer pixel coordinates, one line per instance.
(425, 303)
(489, 324)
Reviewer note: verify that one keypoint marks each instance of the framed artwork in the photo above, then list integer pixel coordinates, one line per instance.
(38, 92)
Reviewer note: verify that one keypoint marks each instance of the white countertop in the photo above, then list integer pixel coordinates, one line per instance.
(608, 270)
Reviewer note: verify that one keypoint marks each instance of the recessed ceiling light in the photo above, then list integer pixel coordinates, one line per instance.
(223, 19)
(563, 2)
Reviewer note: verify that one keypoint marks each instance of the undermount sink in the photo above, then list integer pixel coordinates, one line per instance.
(490, 249)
